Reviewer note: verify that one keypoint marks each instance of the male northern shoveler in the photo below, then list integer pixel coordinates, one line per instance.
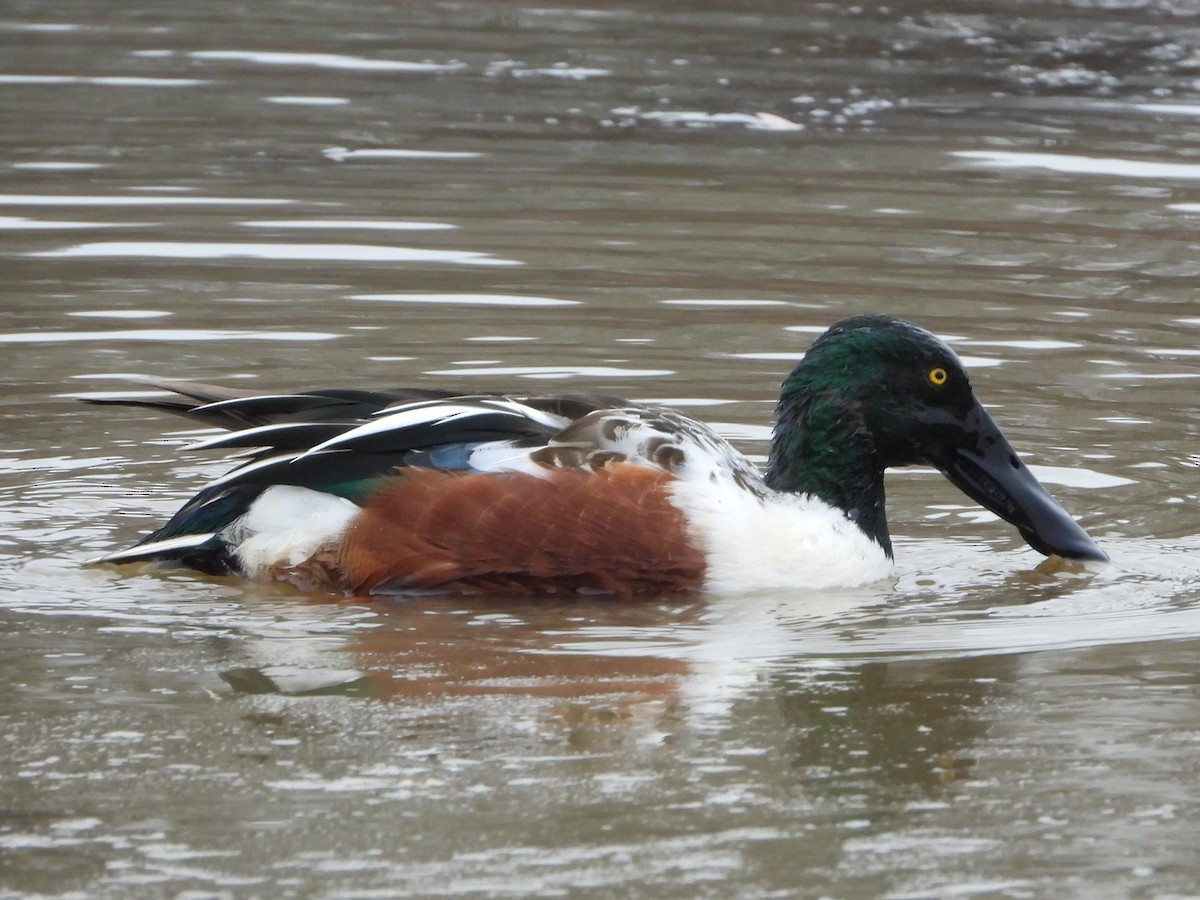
(370, 492)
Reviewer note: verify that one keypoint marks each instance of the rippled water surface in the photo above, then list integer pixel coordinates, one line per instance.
(640, 199)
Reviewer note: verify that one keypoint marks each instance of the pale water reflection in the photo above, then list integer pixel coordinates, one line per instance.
(1082, 165)
(324, 61)
(342, 154)
(289, 251)
(160, 335)
(659, 202)
(134, 200)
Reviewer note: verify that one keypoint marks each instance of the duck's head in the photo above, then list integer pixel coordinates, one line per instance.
(874, 392)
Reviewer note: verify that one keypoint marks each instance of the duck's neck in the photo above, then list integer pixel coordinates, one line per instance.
(821, 447)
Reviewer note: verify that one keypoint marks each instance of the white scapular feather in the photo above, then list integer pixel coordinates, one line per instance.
(432, 413)
(241, 435)
(548, 419)
(252, 467)
(505, 456)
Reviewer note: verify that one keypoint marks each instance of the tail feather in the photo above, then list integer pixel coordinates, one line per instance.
(234, 409)
(199, 395)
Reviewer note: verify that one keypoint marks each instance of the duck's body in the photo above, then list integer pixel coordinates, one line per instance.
(381, 492)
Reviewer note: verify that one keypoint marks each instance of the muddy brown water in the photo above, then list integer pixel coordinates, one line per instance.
(641, 199)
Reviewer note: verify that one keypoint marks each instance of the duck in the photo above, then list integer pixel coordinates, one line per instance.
(384, 492)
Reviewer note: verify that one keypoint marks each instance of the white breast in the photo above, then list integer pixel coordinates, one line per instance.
(776, 542)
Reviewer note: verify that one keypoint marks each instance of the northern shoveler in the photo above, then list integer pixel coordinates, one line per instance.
(373, 492)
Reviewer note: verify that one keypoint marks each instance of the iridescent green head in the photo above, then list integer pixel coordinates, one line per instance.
(874, 392)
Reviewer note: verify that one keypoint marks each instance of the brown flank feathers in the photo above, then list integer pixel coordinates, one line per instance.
(611, 530)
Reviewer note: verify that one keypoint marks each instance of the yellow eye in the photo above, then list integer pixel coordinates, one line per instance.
(938, 376)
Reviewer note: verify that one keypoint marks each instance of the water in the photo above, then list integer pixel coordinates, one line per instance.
(661, 203)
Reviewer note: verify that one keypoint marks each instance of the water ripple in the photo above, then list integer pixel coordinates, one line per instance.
(364, 224)
(563, 371)
(342, 154)
(230, 250)
(323, 61)
(140, 200)
(450, 299)
(1080, 165)
(162, 334)
(104, 80)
